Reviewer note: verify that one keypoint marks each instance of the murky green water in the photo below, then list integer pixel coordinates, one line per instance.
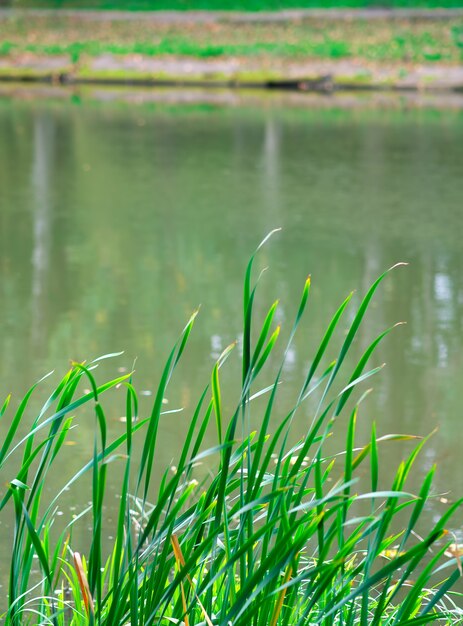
(117, 220)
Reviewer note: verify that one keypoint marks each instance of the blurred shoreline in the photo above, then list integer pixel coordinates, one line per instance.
(195, 97)
(318, 50)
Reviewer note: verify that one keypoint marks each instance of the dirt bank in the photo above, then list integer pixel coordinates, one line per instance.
(310, 75)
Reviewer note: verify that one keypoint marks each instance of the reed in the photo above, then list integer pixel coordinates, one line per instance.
(275, 534)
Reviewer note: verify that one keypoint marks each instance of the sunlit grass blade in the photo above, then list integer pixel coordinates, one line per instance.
(247, 306)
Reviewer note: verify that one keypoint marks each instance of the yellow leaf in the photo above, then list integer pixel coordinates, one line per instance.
(391, 553)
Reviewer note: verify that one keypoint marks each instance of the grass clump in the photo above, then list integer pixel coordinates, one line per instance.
(276, 533)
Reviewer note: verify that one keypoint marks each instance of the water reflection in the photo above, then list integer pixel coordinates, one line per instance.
(113, 231)
(40, 184)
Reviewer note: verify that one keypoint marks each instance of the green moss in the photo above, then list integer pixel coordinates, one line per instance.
(24, 74)
(360, 79)
(242, 77)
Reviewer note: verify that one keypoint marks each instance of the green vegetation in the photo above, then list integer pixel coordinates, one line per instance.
(231, 5)
(256, 529)
(414, 41)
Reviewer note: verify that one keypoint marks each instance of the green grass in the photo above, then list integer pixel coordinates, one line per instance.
(400, 49)
(276, 532)
(380, 41)
(233, 5)
(184, 47)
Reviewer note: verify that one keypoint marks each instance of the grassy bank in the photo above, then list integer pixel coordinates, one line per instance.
(316, 53)
(258, 528)
(406, 41)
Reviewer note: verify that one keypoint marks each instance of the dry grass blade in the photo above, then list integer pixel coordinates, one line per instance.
(84, 587)
(281, 597)
(181, 563)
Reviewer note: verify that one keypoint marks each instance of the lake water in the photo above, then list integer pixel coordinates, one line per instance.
(118, 218)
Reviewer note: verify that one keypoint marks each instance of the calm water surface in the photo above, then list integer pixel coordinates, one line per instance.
(117, 220)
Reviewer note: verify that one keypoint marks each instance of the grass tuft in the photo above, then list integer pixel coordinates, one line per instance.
(275, 533)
